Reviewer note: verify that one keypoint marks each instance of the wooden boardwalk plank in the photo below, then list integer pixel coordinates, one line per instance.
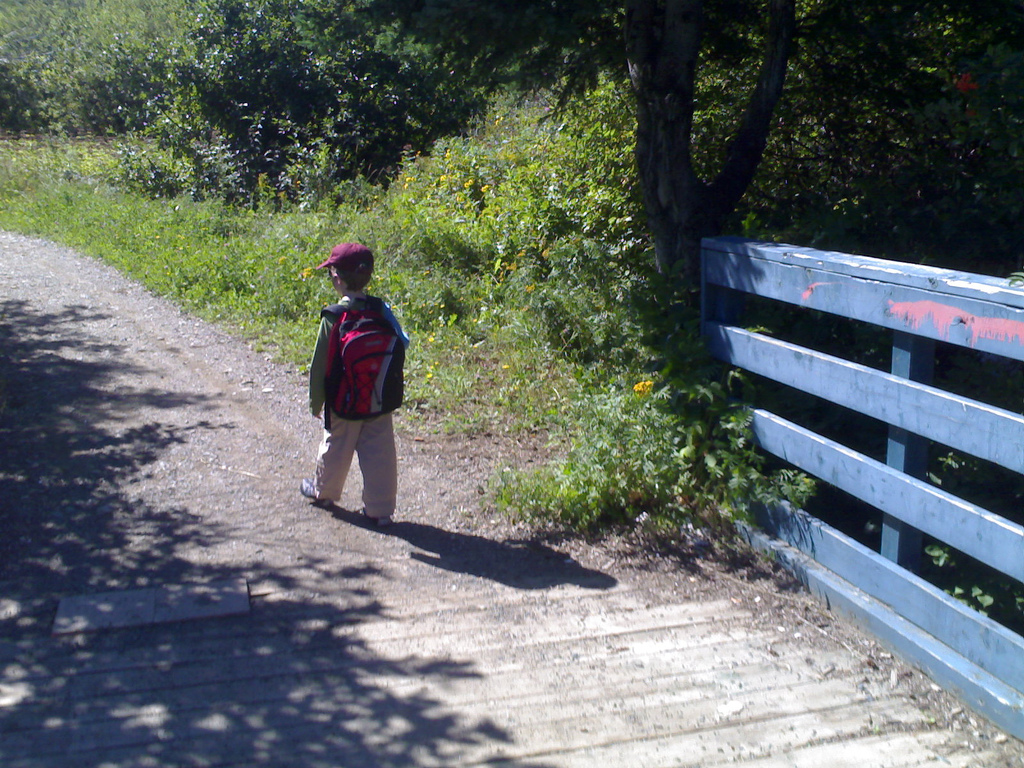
(518, 682)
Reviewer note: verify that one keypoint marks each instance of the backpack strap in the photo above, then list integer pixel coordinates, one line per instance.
(333, 312)
(371, 303)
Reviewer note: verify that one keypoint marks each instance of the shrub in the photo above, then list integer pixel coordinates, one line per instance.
(673, 447)
(81, 69)
(265, 98)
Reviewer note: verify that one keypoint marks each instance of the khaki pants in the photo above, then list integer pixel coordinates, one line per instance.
(373, 440)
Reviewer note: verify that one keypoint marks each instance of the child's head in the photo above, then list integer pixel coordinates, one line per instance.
(352, 263)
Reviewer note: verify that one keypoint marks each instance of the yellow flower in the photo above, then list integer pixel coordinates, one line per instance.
(643, 388)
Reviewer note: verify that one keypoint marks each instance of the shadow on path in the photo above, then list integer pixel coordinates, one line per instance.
(66, 446)
(518, 563)
(288, 684)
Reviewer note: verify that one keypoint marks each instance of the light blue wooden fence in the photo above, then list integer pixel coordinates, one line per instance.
(958, 647)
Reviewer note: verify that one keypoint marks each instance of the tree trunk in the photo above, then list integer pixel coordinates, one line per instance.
(663, 39)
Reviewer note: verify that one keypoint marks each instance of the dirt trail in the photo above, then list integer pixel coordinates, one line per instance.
(140, 447)
(150, 444)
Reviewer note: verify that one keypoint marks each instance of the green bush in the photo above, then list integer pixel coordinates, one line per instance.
(522, 209)
(78, 69)
(649, 451)
(266, 97)
(673, 447)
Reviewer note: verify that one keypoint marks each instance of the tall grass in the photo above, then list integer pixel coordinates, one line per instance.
(477, 361)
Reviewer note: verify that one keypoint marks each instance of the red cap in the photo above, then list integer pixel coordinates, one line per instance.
(350, 257)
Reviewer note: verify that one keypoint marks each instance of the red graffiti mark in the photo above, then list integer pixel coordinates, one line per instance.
(944, 317)
(810, 289)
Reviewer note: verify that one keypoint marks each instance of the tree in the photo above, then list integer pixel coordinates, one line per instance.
(666, 41)
(663, 41)
(858, 78)
(867, 152)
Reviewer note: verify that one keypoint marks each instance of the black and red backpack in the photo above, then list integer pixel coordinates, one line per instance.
(365, 361)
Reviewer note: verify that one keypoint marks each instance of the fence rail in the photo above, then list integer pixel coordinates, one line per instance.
(960, 648)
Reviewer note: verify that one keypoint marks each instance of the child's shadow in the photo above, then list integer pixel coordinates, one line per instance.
(518, 563)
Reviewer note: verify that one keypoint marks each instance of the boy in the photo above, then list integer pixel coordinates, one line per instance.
(350, 266)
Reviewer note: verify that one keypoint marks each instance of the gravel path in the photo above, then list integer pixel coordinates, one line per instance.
(141, 443)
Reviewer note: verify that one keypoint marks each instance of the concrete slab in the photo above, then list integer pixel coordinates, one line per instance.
(130, 608)
(201, 601)
(89, 613)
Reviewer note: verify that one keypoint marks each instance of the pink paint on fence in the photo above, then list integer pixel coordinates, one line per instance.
(810, 289)
(944, 317)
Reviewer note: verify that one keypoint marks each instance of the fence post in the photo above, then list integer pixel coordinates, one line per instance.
(717, 304)
(913, 357)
